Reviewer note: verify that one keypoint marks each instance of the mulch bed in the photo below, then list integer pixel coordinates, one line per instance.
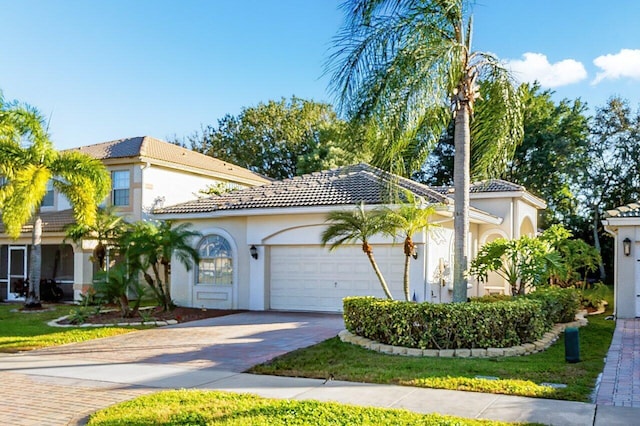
(179, 314)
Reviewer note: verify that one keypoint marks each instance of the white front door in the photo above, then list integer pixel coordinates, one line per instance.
(17, 271)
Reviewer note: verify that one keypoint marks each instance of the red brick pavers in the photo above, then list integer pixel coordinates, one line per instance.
(231, 343)
(620, 382)
(38, 400)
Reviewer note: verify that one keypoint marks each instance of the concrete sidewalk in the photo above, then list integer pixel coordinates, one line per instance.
(66, 391)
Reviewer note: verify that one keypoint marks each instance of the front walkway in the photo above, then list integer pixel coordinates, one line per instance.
(620, 383)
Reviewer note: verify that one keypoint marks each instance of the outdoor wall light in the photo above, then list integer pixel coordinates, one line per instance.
(254, 251)
(626, 246)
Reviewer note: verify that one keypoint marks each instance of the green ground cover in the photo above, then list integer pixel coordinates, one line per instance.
(182, 407)
(23, 331)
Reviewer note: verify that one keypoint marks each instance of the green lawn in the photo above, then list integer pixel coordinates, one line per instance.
(518, 375)
(189, 407)
(23, 331)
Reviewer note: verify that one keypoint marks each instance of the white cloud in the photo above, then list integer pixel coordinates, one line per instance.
(625, 63)
(536, 67)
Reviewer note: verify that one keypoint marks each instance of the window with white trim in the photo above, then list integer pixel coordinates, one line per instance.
(216, 261)
(120, 184)
(48, 200)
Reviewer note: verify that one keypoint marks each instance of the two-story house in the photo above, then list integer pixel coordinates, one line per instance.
(146, 173)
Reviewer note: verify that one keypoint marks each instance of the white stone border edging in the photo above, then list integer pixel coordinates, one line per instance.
(525, 349)
(56, 322)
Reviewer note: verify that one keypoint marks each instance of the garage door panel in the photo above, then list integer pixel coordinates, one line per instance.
(311, 278)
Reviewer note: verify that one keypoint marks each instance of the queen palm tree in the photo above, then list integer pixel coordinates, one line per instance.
(408, 219)
(28, 161)
(358, 225)
(406, 68)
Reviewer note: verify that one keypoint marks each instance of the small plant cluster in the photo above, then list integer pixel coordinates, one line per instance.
(482, 324)
(133, 261)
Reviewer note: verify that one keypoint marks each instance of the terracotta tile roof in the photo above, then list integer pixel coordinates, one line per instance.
(629, 210)
(51, 221)
(342, 186)
(489, 185)
(152, 148)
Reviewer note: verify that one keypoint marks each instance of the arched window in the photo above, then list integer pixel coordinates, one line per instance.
(216, 261)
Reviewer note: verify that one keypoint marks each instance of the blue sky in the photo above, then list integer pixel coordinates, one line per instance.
(103, 70)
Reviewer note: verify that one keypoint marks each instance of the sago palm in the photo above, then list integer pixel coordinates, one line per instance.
(28, 161)
(406, 69)
(358, 225)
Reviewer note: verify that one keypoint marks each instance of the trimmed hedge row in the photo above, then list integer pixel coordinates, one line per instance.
(497, 324)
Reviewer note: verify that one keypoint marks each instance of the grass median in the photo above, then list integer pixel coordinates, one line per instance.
(522, 375)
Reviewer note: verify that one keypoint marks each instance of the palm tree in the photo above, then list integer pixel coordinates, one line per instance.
(150, 248)
(28, 161)
(356, 225)
(408, 219)
(106, 231)
(406, 68)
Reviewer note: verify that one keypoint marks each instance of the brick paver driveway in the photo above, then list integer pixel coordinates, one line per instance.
(61, 385)
(232, 343)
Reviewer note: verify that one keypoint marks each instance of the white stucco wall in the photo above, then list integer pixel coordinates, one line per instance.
(627, 268)
(164, 187)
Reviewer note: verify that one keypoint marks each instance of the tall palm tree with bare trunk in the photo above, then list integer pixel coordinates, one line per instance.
(406, 68)
(28, 161)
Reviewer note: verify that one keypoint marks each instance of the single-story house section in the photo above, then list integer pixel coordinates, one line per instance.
(261, 246)
(623, 223)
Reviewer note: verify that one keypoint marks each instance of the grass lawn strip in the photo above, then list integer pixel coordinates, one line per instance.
(518, 375)
(180, 407)
(21, 331)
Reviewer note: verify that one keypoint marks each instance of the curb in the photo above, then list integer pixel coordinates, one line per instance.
(525, 349)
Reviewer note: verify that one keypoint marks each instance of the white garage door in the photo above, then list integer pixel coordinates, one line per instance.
(310, 278)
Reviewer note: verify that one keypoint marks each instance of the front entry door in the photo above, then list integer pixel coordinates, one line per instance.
(17, 271)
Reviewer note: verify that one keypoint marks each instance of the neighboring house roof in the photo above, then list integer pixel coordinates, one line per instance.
(342, 186)
(146, 147)
(491, 188)
(54, 221)
(489, 185)
(628, 210)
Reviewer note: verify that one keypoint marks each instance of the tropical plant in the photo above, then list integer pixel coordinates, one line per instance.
(406, 69)
(523, 263)
(28, 161)
(576, 256)
(408, 219)
(149, 248)
(117, 284)
(358, 225)
(106, 231)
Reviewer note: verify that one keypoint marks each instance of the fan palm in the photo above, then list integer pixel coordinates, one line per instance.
(28, 161)
(358, 225)
(406, 69)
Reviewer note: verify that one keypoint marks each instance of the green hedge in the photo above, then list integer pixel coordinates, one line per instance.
(446, 325)
(561, 304)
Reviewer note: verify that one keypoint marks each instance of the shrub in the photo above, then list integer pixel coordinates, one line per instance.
(593, 298)
(446, 326)
(560, 304)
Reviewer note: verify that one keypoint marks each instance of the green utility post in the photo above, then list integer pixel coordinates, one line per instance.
(571, 345)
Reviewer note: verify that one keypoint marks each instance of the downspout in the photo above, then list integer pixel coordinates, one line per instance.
(425, 257)
(609, 230)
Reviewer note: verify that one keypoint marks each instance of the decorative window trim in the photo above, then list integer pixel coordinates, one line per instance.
(218, 261)
(116, 186)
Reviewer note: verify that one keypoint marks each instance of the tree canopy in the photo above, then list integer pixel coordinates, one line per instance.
(281, 139)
